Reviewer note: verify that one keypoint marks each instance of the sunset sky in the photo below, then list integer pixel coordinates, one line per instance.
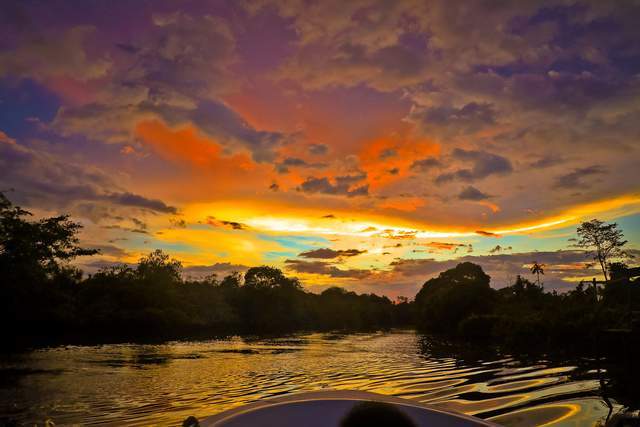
(365, 144)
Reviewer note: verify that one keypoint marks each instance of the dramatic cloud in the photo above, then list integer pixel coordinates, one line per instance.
(574, 180)
(58, 55)
(547, 162)
(410, 122)
(326, 253)
(486, 233)
(173, 76)
(425, 165)
(483, 163)
(449, 121)
(324, 268)
(42, 179)
(341, 185)
(294, 162)
(446, 246)
(223, 223)
(135, 200)
(472, 193)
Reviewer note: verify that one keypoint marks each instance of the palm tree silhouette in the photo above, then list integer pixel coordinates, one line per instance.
(537, 269)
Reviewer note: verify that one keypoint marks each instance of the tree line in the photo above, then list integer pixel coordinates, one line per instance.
(461, 303)
(43, 298)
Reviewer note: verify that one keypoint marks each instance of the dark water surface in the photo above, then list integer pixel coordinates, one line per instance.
(133, 384)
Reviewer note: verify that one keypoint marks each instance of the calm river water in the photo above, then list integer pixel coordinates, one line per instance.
(163, 384)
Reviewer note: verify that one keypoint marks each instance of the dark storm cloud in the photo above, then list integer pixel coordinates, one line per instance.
(324, 268)
(135, 200)
(472, 193)
(578, 177)
(327, 253)
(483, 163)
(547, 162)
(446, 121)
(355, 63)
(283, 166)
(343, 186)
(425, 165)
(575, 91)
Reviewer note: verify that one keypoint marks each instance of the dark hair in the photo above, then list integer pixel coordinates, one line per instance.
(370, 414)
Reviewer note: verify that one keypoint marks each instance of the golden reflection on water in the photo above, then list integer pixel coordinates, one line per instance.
(579, 412)
(163, 384)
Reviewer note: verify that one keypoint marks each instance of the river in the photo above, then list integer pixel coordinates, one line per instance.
(142, 384)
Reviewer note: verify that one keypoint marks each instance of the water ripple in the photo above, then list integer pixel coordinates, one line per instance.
(163, 384)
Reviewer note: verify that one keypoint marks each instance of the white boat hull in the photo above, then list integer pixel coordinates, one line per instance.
(328, 408)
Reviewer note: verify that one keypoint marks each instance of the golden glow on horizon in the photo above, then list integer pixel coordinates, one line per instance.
(308, 221)
(204, 242)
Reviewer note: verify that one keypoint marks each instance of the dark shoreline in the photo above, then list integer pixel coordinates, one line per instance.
(610, 346)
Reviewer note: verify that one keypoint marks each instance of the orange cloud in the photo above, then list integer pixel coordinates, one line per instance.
(405, 204)
(387, 160)
(207, 165)
(444, 246)
(492, 206)
(183, 144)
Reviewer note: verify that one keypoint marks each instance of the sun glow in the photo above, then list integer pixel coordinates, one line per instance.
(307, 221)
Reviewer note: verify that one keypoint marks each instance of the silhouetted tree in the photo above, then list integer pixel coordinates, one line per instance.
(268, 278)
(537, 269)
(159, 268)
(604, 241)
(455, 294)
(35, 249)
